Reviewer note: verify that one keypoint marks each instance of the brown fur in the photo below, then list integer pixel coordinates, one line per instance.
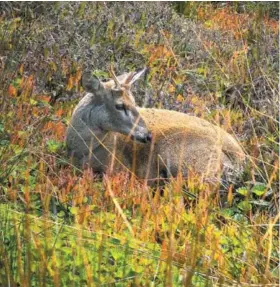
(180, 142)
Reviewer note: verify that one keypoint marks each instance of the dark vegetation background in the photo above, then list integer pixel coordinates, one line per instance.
(217, 60)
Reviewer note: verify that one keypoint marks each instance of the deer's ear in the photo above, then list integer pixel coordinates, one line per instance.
(91, 83)
(135, 76)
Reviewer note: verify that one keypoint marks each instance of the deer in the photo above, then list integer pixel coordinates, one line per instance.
(109, 133)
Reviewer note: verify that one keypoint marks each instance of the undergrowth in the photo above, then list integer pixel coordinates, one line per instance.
(60, 226)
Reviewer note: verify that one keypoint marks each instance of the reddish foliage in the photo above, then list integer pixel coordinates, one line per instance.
(12, 91)
(228, 20)
(57, 129)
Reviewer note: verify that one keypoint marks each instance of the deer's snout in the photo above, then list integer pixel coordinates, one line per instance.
(149, 137)
(146, 138)
(143, 138)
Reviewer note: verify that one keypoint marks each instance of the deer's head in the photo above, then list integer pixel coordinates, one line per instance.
(117, 110)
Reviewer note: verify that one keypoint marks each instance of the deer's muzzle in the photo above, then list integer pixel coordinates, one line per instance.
(145, 138)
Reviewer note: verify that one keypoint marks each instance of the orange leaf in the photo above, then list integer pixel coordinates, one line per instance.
(180, 98)
(164, 250)
(12, 91)
(44, 98)
(59, 130)
(77, 77)
(59, 112)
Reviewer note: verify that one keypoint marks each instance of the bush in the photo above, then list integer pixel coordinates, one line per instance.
(60, 225)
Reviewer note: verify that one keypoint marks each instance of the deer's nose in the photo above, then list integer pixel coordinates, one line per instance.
(149, 137)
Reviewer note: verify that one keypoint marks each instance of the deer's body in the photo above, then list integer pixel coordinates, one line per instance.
(183, 142)
(179, 143)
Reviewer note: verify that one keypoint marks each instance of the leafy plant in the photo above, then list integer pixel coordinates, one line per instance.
(61, 226)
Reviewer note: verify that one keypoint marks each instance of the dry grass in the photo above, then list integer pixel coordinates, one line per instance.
(64, 227)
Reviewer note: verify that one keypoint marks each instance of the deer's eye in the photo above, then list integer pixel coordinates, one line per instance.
(120, 107)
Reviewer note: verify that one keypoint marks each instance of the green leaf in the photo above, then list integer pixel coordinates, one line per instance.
(245, 205)
(67, 250)
(243, 191)
(53, 146)
(259, 189)
(33, 102)
(227, 212)
(117, 254)
(101, 74)
(16, 83)
(17, 149)
(208, 24)
(74, 210)
(198, 281)
(61, 214)
(115, 241)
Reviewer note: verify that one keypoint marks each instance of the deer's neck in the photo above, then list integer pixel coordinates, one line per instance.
(88, 118)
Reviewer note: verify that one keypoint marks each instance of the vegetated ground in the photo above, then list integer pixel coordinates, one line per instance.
(63, 227)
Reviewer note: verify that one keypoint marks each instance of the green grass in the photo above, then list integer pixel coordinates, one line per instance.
(60, 226)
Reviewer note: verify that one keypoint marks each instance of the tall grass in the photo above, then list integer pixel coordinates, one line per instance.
(60, 226)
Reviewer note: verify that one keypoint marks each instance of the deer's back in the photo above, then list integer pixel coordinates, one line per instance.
(182, 141)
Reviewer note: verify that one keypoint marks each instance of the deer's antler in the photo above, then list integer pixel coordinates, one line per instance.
(111, 72)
